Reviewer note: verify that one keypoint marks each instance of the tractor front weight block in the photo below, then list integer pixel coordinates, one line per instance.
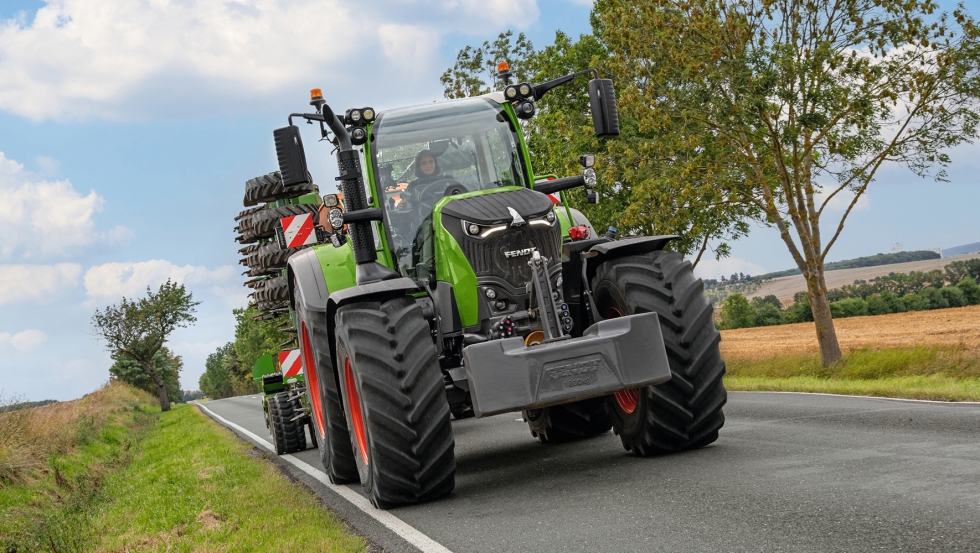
(610, 356)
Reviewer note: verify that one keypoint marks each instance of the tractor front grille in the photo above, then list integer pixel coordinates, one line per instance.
(488, 257)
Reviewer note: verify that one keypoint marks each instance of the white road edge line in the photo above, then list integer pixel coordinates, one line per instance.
(940, 402)
(404, 530)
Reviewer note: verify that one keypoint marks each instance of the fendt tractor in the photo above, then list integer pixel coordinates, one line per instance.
(449, 280)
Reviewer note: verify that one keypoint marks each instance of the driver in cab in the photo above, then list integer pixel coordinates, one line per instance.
(426, 172)
(426, 169)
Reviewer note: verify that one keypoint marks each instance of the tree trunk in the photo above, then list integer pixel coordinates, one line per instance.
(822, 319)
(158, 382)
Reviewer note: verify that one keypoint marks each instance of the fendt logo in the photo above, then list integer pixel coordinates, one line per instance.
(519, 253)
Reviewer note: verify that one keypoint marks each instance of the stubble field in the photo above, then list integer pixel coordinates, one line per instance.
(954, 329)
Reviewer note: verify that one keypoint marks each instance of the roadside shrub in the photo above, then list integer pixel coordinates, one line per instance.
(852, 307)
(771, 299)
(915, 302)
(953, 296)
(877, 305)
(737, 312)
(934, 297)
(895, 303)
(971, 290)
(800, 311)
(768, 315)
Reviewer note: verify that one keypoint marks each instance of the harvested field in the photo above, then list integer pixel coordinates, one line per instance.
(955, 328)
(785, 287)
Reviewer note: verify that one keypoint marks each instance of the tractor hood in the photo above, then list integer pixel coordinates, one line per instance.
(495, 208)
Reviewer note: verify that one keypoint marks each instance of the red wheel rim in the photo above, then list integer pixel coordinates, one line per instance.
(314, 385)
(627, 399)
(356, 419)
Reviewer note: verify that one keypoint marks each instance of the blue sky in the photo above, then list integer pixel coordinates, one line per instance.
(128, 129)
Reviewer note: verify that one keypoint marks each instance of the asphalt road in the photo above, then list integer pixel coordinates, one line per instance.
(790, 472)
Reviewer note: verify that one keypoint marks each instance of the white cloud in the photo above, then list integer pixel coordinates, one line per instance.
(841, 200)
(43, 218)
(20, 283)
(119, 58)
(114, 280)
(710, 267)
(23, 341)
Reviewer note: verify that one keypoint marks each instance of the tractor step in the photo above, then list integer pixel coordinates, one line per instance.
(611, 356)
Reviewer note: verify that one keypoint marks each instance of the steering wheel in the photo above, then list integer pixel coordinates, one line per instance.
(429, 194)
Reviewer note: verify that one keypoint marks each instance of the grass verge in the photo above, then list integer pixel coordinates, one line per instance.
(194, 486)
(913, 373)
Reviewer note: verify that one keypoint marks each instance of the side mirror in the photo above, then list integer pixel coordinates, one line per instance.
(292, 157)
(602, 100)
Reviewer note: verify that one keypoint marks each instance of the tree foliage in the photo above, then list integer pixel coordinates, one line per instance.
(166, 364)
(137, 329)
(228, 371)
(788, 106)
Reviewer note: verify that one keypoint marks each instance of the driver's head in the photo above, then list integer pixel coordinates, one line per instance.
(426, 164)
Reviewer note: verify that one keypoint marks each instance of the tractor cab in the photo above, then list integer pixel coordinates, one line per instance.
(422, 154)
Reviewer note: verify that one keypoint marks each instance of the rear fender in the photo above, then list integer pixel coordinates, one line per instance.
(614, 249)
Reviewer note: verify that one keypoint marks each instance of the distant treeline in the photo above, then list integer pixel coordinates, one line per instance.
(25, 405)
(868, 261)
(954, 286)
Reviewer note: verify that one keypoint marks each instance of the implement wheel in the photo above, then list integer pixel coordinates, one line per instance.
(328, 422)
(395, 401)
(686, 411)
(287, 435)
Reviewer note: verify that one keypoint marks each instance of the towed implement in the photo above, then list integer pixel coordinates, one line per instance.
(454, 283)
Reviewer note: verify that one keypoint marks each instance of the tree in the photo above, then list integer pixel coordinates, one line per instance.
(475, 70)
(216, 381)
(784, 107)
(737, 312)
(167, 365)
(137, 329)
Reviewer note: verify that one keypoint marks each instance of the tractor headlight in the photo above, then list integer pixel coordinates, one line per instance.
(331, 200)
(589, 176)
(491, 294)
(511, 92)
(474, 229)
(355, 115)
(525, 109)
(336, 218)
(524, 89)
(587, 160)
(358, 136)
(550, 217)
(368, 114)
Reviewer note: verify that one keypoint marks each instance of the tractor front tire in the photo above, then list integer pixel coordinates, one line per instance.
(686, 411)
(580, 419)
(328, 421)
(395, 401)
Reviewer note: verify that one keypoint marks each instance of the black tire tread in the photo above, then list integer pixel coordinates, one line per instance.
(289, 435)
(569, 421)
(268, 188)
(268, 257)
(403, 394)
(686, 411)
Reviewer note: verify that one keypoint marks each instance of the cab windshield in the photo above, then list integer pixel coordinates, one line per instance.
(424, 153)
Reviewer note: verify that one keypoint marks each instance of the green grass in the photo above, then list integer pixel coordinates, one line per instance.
(914, 373)
(192, 486)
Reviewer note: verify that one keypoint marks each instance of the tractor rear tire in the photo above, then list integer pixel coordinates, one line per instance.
(570, 421)
(328, 421)
(287, 435)
(686, 411)
(264, 222)
(268, 188)
(395, 401)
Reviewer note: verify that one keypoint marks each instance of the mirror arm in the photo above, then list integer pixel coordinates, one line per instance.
(544, 87)
(332, 121)
(557, 185)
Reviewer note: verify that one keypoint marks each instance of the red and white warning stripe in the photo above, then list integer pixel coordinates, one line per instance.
(298, 230)
(291, 362)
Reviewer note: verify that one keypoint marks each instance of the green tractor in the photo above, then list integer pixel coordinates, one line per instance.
(456, 283)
